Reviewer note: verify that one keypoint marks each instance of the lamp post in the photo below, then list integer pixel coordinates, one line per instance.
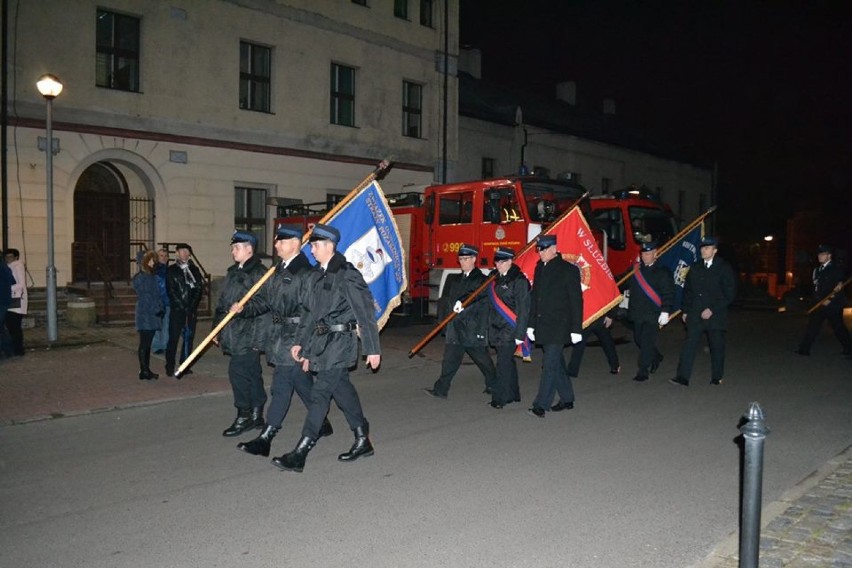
(50, 86)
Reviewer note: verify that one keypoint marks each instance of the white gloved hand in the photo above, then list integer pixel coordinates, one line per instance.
(663, 319)
(531, 333)
(457, 307)
(576, 338)
(519, 342)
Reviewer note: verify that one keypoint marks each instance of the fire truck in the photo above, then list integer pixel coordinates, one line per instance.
(508, 211)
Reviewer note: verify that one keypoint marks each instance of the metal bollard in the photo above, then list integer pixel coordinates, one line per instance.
(754, 431)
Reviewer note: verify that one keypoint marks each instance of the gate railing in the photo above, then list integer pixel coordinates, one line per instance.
(89, 260)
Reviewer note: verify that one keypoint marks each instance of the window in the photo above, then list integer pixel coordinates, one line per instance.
(611, 222)
(501, 206)
(255, 72)
(342, 95)
(250, 214)
(117, 60)
(426, 13)
(456, 208)
(400, 9)
(412, 109)
(487, 168)
(606, 185)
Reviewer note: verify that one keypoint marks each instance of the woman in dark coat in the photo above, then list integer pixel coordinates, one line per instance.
(149, 311)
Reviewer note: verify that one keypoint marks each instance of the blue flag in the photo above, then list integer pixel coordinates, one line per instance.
(369, 239)
(680, 258)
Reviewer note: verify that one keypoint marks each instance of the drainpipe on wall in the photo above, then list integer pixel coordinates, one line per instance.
(4, 122)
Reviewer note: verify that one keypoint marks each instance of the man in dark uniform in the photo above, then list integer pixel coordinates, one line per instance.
(509, 294)
(828, 278)
(245, 335)
(467, 332)
(285, 290)
(337, 309)
(651, 296)
(184, 285)
(556, 319)
(709, 289)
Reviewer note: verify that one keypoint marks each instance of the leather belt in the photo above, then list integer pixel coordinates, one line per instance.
(281, 319)
(323, 329)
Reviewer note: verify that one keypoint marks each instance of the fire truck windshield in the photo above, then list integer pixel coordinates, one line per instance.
(546, 201)
(651, 224)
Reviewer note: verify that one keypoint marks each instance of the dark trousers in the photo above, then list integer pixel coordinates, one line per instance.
(333, 383)
(13, 326)
(607, 344)
(645, 336)
(146, 338)
(453, 355)
(5, 340)
(506, 389)
(716, 341)
(554, 377)
(835, 320)
(286, 379)
(178, 320)
(246, 376)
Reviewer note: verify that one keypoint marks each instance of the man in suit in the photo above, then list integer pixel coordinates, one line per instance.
(710, 288)
(556, 319)
(828, 278)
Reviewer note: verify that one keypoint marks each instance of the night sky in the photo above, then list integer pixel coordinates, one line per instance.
(762, 89)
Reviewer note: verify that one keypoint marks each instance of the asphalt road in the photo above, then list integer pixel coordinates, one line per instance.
(637, 475)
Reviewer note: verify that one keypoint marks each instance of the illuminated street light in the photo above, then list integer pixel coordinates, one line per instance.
(50, 86)
(768, 238)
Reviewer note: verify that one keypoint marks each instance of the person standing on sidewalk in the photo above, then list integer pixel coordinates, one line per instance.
(149, 311)
(161, 338)
(7, 280)
(285, 291)
(244, 337)
(184, 284)
(556, 319)
(710, 288)
(467, 332)
(828, 277)
(338, 309)
(18, 308)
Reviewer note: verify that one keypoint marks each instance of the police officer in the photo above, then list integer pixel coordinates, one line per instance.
(709, 289)
(509, 296)
(337, 309)
(467, 332)
(828, 278)
(245, 335)
(651, 296)
(285, 290)
(556, 319)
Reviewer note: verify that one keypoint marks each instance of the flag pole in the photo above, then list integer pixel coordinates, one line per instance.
(377, 173)
(829, 297)
(429, 336)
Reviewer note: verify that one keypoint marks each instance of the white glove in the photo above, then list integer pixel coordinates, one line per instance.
(531, 333)
(457, 307)
(519, 342)
(663, 319)
(576, 338)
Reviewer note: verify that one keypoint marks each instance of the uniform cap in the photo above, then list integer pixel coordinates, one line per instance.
(824, 248)
(504, 253)
(468, 250)
(709, 242)
(244, 237)
(288, 232)
(325, 233)
(545, 241)
(649, 246)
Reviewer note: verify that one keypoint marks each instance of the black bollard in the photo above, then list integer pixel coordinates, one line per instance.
(754, 432)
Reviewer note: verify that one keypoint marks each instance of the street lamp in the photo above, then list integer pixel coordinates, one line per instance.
(50, 86)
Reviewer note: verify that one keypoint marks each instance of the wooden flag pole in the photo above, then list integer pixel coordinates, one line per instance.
(829, 297)
(377, 173)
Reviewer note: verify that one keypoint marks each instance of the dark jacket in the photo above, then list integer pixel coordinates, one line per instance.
(184, 296)
(161, 270)
(556, 302)
(149, 303)
(824, 282)
(285, 290)
(248, 329)
(469, 328)
(338, 296)
(6, 281)
(641, 308)
(514, 290)
(714, 288)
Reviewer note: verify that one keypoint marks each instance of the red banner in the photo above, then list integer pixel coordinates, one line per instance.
(576, 242)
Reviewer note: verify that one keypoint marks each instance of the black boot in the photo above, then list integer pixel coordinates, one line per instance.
(260, 445)
(257, 417)
(325, 429)
(295, 460)
(145, 373)
(361, 447)
(242, 423)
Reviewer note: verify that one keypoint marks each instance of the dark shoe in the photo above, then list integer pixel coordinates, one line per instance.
(361, 448)
(641, 378)
(170, 371)
(435, 393)
(143, 376)
(560, 406)
(536, 411)
(257, 417)
(802, 352)
(715, 382)
(615, 370)
(295, 460)
(679, 381)
(259, 446)
(242, 422)
(326, 429)
(186, 372)
(495, 404)
(655, 364)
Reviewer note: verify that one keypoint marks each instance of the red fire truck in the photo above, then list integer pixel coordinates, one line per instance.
(508, 211)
